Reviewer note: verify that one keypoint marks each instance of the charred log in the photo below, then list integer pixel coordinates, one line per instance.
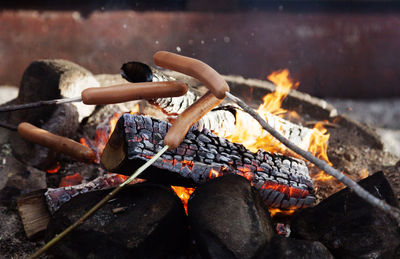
(281, 180)
(55, 198)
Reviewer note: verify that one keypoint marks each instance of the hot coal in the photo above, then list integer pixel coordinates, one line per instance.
(229, 219)
(143, 221)
(350, 227)
(56, 197)
(281, 180)
(290, 248)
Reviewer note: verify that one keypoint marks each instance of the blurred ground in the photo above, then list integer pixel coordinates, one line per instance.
(381, 114)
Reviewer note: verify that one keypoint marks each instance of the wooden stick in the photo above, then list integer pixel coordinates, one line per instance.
(98, 205)
(39, 104)
(381, 204)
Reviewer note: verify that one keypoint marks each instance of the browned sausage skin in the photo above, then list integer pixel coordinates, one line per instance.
(187, 118)
(194, 68)
(133, 91)
(57, 143)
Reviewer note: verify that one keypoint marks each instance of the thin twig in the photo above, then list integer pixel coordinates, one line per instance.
(8, 126)
(381, 204)
(39, 104)
(99, 204)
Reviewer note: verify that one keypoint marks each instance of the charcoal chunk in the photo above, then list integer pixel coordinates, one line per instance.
(228, 218)
(350, 227)
(289, 248)
(141, 218)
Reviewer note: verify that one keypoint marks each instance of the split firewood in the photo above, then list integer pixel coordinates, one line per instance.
(282, 181)
(33, 212)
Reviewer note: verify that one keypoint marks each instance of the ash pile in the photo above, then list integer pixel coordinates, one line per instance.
(246, 204)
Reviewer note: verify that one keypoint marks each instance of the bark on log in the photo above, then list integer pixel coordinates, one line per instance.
(282, 181)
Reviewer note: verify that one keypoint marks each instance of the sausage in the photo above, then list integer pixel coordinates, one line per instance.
(133, 91)
(195, 68)
(57, 143)
(187, 118)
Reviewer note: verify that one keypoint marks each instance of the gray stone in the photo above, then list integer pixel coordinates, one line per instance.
(237, 225)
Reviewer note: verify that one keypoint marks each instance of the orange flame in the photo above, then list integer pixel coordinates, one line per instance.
(70, 180)
(54, 169)
(184, 194)
(103, 133)
(249, 132)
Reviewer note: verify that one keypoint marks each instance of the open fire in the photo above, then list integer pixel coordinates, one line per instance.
(248, 132)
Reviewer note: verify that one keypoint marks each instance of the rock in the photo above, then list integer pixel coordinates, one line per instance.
(348, 226)
(7, 93)
(228, 218)
(52, 79)
(63, 122)
(143, 221)
(289, 248)
(46, 80)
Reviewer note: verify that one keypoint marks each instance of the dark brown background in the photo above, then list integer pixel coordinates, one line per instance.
(334, 49)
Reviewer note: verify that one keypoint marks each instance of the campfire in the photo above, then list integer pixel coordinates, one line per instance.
(230, 189)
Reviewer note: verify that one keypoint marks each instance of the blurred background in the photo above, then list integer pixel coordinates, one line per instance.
(347, 52)
(341, 49)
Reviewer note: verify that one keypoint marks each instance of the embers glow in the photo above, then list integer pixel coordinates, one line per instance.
(54, 169)
(70, 180)
(184, 194)
(103, 133)
(252, 136)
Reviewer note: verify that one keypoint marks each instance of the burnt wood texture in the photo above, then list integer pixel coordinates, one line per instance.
(282, 181)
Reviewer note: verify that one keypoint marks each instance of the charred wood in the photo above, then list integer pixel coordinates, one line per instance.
(281, 180)
(56, 197)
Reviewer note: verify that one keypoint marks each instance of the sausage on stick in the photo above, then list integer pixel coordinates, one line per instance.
(195, 68)
(114, 94)
(57, 143)
(212, 79)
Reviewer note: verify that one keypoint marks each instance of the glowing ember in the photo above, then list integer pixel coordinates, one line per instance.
(54, 169)
(183, 193)
(103, 133)
(71, 180)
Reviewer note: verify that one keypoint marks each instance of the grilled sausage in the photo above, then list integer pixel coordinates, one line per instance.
(133, 91)
(194, 68)
(57, 143)
(188, 117)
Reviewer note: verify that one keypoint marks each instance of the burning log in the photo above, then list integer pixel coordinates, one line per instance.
(281, 180)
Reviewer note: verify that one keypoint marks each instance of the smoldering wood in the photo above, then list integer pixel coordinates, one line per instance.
(323, 165)
(281, 180)
(56, 197)
(222, 119)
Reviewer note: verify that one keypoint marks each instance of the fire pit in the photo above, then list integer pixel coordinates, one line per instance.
(218, 164)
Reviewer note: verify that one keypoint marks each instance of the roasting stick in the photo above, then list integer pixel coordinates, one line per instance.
(113, 94)
(220, 89)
